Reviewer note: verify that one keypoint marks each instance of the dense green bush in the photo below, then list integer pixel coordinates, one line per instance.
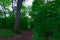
(46, 19)
(6, 23)
(23, 23)
(1, 22)
(9, 22)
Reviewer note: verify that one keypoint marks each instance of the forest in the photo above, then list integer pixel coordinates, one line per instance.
(35, 20)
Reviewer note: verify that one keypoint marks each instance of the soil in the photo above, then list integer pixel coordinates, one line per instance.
(26, 36)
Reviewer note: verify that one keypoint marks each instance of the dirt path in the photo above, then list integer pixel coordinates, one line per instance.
(26, 36)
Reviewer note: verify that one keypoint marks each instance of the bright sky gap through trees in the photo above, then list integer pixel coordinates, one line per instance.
(26, 3)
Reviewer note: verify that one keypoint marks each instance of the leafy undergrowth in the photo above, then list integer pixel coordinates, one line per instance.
(6, 33)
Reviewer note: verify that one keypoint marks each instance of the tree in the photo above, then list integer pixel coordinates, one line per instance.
(17, 15)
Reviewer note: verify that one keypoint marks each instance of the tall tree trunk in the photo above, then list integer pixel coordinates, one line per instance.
(17, 16)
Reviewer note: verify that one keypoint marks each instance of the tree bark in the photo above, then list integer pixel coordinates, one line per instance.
(17, 16)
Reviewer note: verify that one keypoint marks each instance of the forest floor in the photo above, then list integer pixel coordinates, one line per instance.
(26, 36)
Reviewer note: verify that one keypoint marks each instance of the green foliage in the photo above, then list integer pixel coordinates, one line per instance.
(23, 23)
(37, 5)
(8, 23)
(46, 17)
(6, 33)
(57, 2)
(1, 25)
(5, 2)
